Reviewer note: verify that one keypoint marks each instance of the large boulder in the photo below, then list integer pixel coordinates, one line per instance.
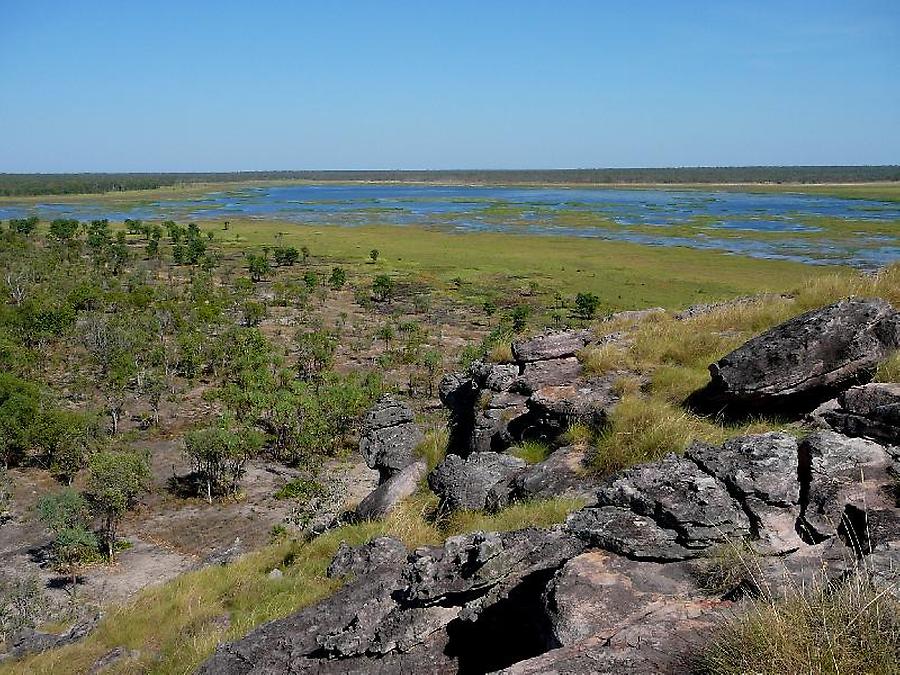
(871, 410)
(679, 496)
(805, 361)
(389, 437)
(622, 531)
(383, 499)
(465, 483)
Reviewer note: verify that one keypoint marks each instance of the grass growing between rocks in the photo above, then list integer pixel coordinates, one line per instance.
(850, 628)
(671, 358)
(174, 627)
(531, 452)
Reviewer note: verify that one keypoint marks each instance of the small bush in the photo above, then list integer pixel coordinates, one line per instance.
(300, 489)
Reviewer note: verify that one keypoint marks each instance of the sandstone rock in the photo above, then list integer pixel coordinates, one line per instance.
(551, 345)
(762, 472)
(626, 533)
(847, 477)
(806, 360)
(872, 410)
(560, 475)
(389, 437)
(598, 592)
(538, 374)
(389, 494)
(472, 563)
(555, 408)
(465, 483)
(665, 638)
(679, 496)
(361, 560)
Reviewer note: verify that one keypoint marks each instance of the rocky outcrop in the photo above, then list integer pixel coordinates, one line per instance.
(678, 495)
(872, 411)
(551, 345)
(618, 587)
(383, 499)
(805, 361)
(432, 611)
(493, 406)
(389, 437)
(761, 472)
(465, 483)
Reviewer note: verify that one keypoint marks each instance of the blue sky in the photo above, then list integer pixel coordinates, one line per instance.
(184, 86)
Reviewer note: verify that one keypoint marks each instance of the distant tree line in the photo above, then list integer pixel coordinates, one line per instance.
(82, 183)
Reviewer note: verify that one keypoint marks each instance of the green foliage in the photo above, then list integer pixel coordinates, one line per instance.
(258, 266)
(586, 305)
(219, 454)
(300, 489)
(383, 287)
(285, 256)
(67, 515)
(315, 353)
(115, 480)
(64, 229)
(338, 278)
(531, 451)
(519, 317)
(23, 226)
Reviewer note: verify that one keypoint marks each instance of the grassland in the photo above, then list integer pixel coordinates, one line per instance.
(485, 265)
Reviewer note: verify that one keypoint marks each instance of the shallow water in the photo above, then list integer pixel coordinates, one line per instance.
(780, 225)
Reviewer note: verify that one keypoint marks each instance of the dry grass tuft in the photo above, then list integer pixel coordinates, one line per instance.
(853, 627)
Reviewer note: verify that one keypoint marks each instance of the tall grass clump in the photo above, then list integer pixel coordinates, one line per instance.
(531, 451)
(889, 370)
(643, 430)
(853, 627)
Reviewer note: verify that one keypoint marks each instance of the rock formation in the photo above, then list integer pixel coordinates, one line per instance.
(805, 361)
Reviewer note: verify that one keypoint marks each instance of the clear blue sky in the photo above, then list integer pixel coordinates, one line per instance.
(183, 86)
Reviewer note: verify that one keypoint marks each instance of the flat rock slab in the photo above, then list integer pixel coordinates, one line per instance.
(551, 345)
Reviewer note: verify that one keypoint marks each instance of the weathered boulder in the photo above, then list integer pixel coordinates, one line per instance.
(389, 437)
(620, 530)
(871, 410)
(562, 474)
(361, 560)
(806, 360)
(761, 471)
(679, 496)
(555, 408)
(849, 481)
(383, 499)
(664, 638)
(465, 483)
(551, 345)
